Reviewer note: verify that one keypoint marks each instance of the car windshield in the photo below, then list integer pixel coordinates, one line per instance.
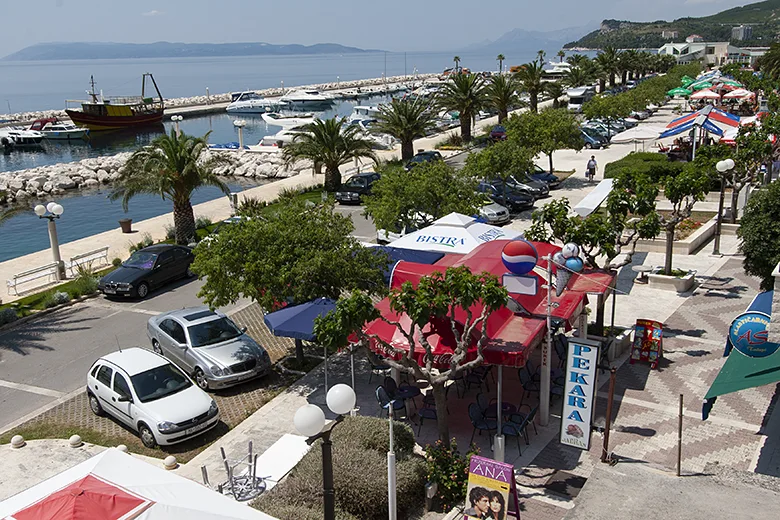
(355, 182)
(214, 331)
(159, 382)
(140, 260)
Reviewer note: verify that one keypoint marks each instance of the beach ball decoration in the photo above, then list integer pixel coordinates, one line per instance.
(519, 256)
(568, 262)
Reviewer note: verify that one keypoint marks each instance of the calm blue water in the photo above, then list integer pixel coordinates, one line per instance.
(27, 86)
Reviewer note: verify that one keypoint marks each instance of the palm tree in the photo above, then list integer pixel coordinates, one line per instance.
(555, 90)
(329, 144)
(627, 64)
(502, 95)
(540, 55)
(173, 167)
(500, 58)
(576, 77)
(530, 78)
(7, 214)
(578, 60)
(456, 59)
(405, 120)
(608, 60)
(464, 93)
(561, 55)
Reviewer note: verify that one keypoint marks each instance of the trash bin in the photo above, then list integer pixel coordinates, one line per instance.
(126, 224)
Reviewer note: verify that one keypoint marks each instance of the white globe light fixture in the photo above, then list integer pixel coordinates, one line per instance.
(341, 399)
(309, 420)
(51, 212)
(40, 210)
(730, 163)
(58, 209)
(50, 207)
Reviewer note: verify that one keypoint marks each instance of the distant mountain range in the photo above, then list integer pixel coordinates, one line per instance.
(762, 17)
(521, 41)
(101, 51)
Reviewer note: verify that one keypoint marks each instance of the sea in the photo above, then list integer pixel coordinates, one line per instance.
(44, 85)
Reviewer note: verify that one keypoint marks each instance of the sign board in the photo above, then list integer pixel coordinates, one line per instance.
(749, 332)
(579, 393)
(490, 484)
(520, 284)
(648, 342)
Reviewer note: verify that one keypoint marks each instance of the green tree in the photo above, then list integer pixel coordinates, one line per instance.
(456, 59)
(330, 143)
(578, 60)
(561, 54)
(546, 132)
(607, 108)
(173, 167)
(418, 197)
(608, 60)
(8, 213)
(501, 94)
(293, 254)
(576, 77)
(499, 161)
(759, 233)
(500, 59)
(466, 94)
(769, 63)
(406, 120)
(435, 298)
(530, 77)
(555, 91)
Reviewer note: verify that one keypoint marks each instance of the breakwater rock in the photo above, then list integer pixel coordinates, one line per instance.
(55, 179)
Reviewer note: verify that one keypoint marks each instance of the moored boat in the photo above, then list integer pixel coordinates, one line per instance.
(111, 113)
(285, 121)
(307, 98)
(54, 129)
(252, 103)
(21, 136)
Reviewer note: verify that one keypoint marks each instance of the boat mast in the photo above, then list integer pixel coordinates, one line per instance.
(92, 93)
(159, 95)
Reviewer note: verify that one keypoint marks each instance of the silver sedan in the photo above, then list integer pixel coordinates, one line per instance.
(208, 346)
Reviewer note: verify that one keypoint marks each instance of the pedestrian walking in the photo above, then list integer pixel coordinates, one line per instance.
(590, 169)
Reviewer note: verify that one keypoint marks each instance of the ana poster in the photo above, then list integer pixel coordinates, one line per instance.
(490, 483)
(578, 400)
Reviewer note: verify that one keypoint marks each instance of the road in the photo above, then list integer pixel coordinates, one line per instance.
(47, 358)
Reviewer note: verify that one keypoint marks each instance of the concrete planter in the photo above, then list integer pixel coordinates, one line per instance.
(687, 246)
(680, 284)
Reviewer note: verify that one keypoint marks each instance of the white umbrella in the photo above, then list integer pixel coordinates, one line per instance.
(638, 134)
(454, 233)
(705, 94)
(738, 93)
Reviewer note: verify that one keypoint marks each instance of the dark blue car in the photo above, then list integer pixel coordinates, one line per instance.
(539, 174)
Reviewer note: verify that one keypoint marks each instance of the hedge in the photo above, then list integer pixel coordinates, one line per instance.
(360, 447)
(655, 165)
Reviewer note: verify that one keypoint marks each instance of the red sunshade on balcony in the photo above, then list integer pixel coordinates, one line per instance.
(86, 499)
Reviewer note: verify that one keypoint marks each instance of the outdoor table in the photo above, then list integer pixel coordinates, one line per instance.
(642, 270)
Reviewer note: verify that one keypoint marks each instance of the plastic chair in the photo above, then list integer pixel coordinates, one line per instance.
(380, 370)
(517, 430)
(402, 392)
(561, 344)
(530, 415)
(477, 378)
(488, 408)
(385, 402)
(426, 412)
(529, 385)
(533, 371)
(479, 422)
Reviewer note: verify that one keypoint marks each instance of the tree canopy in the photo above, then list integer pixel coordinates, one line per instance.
(759, 233)
(545, 132)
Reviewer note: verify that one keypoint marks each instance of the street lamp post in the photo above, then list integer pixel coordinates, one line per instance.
(309, 420)
(176, 120)
(722, 167)
(240, 124)
(51, 212)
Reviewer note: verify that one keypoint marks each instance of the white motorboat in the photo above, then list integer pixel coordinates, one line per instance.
(364, 112)
(252, 103)
(307, 98)
(54, 129)
(380, 141)
(22, 136)
(281, 138)
(285, 121)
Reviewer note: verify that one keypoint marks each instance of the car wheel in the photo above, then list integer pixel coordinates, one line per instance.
(189, 273)
(156, 347)
(143, 290)
(588, 146)
(94, 405)
(200, 379)
(147, 437)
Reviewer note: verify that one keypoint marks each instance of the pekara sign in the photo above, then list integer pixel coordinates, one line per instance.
(748, 334)
(490, 484)
(579, 393)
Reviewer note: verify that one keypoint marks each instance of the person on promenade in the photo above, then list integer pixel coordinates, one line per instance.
(590, 169)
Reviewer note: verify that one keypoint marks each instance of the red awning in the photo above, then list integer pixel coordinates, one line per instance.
(85, 499)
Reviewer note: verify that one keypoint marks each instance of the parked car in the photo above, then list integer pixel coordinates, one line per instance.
(223, 225)
(592, 142)
(423, 157)
(146, 270)
(208, 346)
(494, 213)
(540, 174)
(536, 189)
(355, 187)
(498, 133)
(505, 195)
(150, 395)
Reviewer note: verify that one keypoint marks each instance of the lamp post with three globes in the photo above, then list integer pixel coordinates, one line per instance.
(53, 211)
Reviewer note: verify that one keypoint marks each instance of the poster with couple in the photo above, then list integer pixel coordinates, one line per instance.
(487, 496)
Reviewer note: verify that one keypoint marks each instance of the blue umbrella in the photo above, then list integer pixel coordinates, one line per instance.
(297, 321)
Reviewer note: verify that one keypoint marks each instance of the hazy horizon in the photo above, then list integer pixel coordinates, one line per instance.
(434, 25)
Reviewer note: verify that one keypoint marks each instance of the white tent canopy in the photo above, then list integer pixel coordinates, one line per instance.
(644, 132)
(594, 199)
(171, 497)
(454, 233)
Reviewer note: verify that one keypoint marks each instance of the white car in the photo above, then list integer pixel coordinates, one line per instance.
(150, 395)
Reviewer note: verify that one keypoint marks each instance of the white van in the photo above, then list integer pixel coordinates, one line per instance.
(578, 97)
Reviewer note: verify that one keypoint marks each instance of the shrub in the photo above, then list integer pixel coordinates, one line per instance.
(200, 222)
(116, 262)
(170, 232)
(55, 298)
(146, 241)
(250, 206)
(86, 283)
(8, 316)
(288, 193)
(449, 470)
(359, 473)
(655, 165)
(451, 141)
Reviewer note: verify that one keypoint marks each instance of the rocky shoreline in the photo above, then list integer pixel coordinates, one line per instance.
(40, 182)
(27, 117)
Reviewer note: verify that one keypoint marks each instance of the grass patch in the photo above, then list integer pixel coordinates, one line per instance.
(563, 175)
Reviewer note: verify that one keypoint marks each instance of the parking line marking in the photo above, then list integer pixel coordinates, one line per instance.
(31, 389)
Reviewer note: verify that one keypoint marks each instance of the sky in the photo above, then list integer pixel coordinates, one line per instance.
(399, 25)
